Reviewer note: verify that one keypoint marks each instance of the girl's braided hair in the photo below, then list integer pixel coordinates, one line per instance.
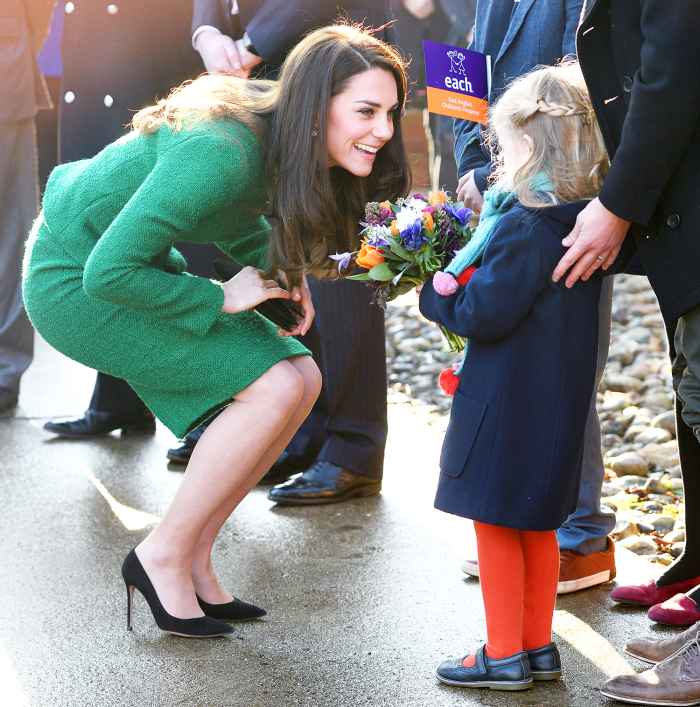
(552, 106)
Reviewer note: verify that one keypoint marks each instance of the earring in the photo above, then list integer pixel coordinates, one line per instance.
(314, 133)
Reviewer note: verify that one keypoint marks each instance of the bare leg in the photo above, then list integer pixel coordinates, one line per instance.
(220, 465)
(203, 575)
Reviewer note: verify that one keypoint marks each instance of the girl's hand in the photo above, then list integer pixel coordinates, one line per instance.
(302, 295)
(247, 290)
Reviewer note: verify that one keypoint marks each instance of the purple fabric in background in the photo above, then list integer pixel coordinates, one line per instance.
(464, 66)
(49, 59)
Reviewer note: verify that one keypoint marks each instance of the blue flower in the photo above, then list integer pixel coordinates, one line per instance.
(412, 236)
(460, 213)
(343, 260)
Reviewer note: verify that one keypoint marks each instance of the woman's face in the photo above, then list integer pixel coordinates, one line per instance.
(361, 121)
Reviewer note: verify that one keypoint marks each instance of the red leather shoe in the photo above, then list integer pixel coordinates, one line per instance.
(648, 594)
(679, 610)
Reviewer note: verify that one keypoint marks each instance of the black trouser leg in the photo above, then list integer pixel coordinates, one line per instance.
(353, 365)
(688, 564)
(115, 396)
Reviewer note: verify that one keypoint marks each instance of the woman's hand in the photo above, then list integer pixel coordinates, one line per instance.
(302, 295)
(248, 289)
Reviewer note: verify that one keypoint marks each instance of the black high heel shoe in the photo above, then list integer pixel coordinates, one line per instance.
(235, 610)
(135, 577)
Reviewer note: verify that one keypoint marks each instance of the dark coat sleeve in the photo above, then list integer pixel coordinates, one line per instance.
(501, 292)
(664, 111)
(211, 12)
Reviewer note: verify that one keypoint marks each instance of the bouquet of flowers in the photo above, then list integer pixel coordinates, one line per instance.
(405, 243)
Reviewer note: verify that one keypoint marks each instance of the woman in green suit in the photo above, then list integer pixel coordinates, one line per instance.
(103, 284)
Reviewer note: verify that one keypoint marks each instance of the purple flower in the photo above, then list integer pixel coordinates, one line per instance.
(343, 260)
(412, 236)
(460, 213)
(420, 196)
(385, 213)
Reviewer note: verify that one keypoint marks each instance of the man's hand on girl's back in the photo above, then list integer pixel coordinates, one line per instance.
(594, 242)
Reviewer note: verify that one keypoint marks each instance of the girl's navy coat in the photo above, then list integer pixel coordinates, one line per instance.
(512, 453)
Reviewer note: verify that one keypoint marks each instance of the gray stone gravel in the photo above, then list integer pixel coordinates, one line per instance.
(635, 403)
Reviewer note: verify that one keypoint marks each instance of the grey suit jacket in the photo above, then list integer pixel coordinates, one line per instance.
(23, 26)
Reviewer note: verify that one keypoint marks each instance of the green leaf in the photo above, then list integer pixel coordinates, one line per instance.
(361, 277)
(399, 250)
(381, 273)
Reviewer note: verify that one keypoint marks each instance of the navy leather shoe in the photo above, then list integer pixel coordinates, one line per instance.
(323, 482)
(511, 673)
(545, 663)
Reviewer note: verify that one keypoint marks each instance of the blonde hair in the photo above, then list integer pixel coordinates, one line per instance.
(552, 106)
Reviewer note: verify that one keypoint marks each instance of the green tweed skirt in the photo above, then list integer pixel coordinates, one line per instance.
(181, 377)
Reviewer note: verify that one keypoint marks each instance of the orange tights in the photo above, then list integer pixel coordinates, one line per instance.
(519, 571)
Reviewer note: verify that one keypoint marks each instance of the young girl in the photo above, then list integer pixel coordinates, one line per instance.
(512, 454)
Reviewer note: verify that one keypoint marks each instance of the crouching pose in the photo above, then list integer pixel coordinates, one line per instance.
(103, 284)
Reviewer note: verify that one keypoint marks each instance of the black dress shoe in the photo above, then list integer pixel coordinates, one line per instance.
(285, 466)
(182, 454)
(323, 482)
(235, 610)
(96, 424)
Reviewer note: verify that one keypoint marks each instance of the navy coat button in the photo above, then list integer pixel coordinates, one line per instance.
(627, 83)
(673, 221)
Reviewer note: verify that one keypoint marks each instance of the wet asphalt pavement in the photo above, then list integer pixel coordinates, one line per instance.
(364, 598)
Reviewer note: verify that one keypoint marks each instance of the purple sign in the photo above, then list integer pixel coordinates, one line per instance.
(457, 81)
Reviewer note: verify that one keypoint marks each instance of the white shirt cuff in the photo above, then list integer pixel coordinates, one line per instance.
(199, 30)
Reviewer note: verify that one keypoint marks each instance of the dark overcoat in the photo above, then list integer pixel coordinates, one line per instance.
(117, 58)
(640, 60)
(512, 453)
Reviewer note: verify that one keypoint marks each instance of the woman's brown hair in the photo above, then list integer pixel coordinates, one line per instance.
(314, 209)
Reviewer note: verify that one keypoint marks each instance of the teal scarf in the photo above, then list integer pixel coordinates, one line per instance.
(496, 203)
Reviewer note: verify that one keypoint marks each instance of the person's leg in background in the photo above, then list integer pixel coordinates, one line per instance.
(587, 553)
(683, 575)
(19, 203)
(353, 363)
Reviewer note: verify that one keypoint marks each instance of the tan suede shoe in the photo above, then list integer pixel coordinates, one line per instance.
(675, 682)
(652, 650)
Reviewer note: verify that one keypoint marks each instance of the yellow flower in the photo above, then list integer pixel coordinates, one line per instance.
(394, 228)
(428, 222)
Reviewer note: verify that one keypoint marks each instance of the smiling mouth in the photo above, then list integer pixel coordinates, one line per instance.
(367, 149)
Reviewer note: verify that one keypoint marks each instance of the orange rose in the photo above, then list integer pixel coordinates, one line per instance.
(394, 229)
(369, 256)
(437, 198)
(428, 222)
(385, 205)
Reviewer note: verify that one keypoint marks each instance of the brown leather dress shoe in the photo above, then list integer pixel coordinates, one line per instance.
(675, 682)
(654, 650)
